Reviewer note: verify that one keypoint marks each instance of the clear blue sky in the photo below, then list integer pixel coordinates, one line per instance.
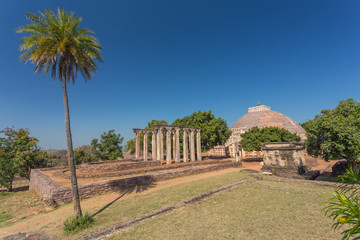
(166, 59)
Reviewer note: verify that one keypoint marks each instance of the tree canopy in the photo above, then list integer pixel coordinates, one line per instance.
(252, 139)
(335, 133)
(19, 153)
(214, 131)
(130, 145)
(109, 147)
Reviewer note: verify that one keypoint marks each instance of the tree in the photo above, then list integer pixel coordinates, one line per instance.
(19, 153)
(252, 139)
(56, 43)
(109, 147)
(82, 156)
(214, 131)
(335, 134)
(130, 145)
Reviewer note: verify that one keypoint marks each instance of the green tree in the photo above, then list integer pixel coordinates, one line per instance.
(56, 43)
(19, 153)
(82, 156)
(109, 147)
(130, 145)
(335, 134)
(214, 131)
(252, 139)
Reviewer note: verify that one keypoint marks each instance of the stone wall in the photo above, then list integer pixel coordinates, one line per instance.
(111, 167)
(44, 185)
(49, 189)
(65, 173)
(286, 156)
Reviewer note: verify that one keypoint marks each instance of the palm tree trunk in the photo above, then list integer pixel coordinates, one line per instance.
(70, 155)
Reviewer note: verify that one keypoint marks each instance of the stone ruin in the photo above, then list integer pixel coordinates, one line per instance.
(172, 152)
(284, 157)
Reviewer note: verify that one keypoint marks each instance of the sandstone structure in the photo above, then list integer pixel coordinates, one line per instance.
(258, 116)
(283, 157)
(172, 151)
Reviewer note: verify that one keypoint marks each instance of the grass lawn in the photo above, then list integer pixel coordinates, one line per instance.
(271, 208)
(262, 209)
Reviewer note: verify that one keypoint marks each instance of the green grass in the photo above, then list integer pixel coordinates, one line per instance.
(263, 209)
(141, 204)
(4, 216)
(74, 225)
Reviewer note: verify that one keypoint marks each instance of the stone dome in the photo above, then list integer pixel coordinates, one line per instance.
(262, 116)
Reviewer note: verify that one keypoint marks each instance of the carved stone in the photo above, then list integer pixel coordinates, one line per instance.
(153, 146)
(168, 147)
(198, 145)
(185, 146)
(192, 145)
(137, 145)
(145, 146)
(177, 145)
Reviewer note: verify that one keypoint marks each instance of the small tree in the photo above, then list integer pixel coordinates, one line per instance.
(109, 147)
(252, 139)
(82, 156)
(214, 131)
(19, 153)
(335, 134)
(130, 145)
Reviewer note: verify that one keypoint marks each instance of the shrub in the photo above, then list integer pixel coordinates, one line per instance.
(344, 207)
(349, 177)
(74, 225)
(82, 156)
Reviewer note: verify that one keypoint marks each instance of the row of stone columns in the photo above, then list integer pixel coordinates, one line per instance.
(172, 152)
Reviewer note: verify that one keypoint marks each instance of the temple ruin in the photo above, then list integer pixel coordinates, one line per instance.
(171, 151)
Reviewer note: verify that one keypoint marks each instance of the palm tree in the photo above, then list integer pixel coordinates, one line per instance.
(57, 44)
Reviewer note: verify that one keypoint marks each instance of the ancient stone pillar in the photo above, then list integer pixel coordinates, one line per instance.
(185, 145)
(145, 146)
(153, 146)
(198, 145)
(168, 146)
(161, 144)
(234, 152)
(137, 145)
(177, 145)
(173, 145)
(192, 145)
(158, 145)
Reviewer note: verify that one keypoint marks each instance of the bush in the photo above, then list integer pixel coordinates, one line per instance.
(349, 177)
(74, 225)
(82, 156)
(344, 208)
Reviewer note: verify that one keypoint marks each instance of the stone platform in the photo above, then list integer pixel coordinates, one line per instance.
(53, 185)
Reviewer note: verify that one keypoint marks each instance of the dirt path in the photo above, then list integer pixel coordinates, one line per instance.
(51, 222)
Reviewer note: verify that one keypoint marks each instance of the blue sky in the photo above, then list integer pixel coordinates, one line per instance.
(167, 59)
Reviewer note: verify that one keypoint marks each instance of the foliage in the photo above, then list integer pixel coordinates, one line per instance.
(82, 156)
(130, 145)
(252, 139)
(18, 154)
(214, 131)
(335, 134)
(109, 147)
(349, 177)
(57, 44)
(344, 207)
(74, 225)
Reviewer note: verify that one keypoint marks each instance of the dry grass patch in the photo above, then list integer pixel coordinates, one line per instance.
(262, 209)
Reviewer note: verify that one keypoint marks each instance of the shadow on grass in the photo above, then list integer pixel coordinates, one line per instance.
(140, 185)
(16, 189)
